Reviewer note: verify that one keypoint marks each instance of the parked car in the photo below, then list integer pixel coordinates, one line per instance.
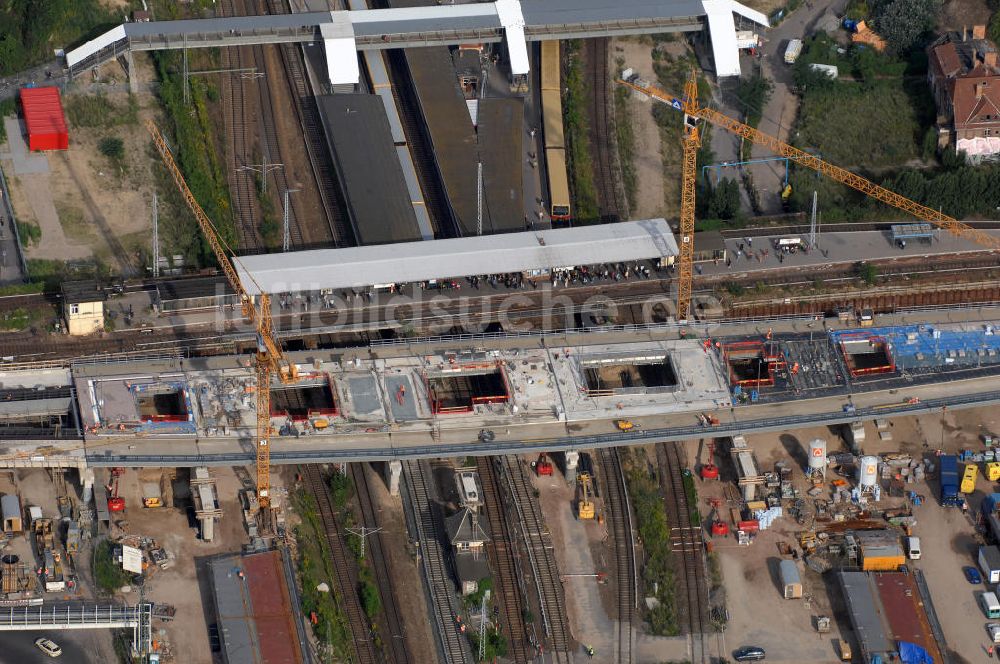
(49, 647)
(749, 654)
(972, 575)
(993, 629)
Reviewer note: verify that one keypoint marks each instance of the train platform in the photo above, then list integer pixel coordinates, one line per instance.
(761, 254)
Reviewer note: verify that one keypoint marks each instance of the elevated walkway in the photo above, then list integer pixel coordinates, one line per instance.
(343, 32)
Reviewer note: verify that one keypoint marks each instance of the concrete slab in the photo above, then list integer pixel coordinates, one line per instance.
(24, 162)
(402, 398)
(364, 396)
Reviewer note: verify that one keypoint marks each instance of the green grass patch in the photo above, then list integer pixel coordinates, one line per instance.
(8, 107)
(576, 120)
(314, 567)
(108, 574)
(29, 232)
(191, 135)
(625, 135)
(75, 226)
(96, 110)
(886, 136)
(691, 491)
(651, 522)
(22, 289)
(15, 320)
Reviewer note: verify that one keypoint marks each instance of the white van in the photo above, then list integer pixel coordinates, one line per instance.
(913, 548)
(990, 605)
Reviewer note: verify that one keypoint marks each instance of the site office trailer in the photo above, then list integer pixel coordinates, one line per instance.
(989, 562)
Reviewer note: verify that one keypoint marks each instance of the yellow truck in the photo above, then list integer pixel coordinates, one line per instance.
(151, 495)
(993, 471)
(969, 476)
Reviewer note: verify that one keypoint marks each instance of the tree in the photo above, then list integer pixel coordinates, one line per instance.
(724, 200)
(112, 147)
(868, 273)
(902, 22)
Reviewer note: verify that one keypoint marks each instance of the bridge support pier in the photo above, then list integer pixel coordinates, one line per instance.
(86, 484)
(572, 460)
(133, 84)
(393, 471)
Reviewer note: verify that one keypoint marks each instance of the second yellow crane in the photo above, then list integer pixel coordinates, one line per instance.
(270, 360)
(694, 111)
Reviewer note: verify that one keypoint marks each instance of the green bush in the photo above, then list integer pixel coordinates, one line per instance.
(724, 199)
(370, 599)
(868, 273)
(902, 23)
(108, 574)
(112, 147)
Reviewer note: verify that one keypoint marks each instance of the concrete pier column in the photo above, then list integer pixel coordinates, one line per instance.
(572, 460)
(133, 84)
(86, 484)
(393, 470)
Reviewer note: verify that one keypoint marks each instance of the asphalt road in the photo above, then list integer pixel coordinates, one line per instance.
(19, 647)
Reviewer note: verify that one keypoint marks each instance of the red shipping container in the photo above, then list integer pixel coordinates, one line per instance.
(43, 115)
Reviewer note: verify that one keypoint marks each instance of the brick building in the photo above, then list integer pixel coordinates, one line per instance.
(965, 78)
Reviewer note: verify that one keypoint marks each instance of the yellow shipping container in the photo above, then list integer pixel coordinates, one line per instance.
(882, 563)
(993, 471)
(969, 478)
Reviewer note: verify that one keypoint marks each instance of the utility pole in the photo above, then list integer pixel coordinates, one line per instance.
(187, 80)
(812, 224)
(262, 168)
(363, 532)
(482, 627)
(156, 240)
(286, 237)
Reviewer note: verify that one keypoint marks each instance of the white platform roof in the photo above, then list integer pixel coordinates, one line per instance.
(360, 267)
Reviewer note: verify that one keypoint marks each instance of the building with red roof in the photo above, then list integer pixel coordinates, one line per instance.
(43, 116)
(964, 75)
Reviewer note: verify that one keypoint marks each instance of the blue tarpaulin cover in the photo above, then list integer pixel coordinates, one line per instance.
(911, 653)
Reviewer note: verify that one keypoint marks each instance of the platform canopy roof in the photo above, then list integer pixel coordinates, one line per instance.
(408, 262)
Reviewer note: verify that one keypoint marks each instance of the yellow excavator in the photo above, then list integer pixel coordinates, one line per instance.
(694, 112)
(585, 502)
(270, 360)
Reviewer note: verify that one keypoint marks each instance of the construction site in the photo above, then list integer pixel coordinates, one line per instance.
(365, 344)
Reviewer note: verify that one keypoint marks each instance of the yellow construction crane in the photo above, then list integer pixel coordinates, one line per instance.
(693, 112)
(585, 505)
(269, 359)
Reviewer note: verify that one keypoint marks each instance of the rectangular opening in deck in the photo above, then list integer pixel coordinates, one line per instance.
(868, 356)
(461, 390)
(753, 364)
(610, 376)
(163, 404)
(301, 402)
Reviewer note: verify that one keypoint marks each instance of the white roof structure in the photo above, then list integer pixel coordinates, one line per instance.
(408, 262)
(723, 30)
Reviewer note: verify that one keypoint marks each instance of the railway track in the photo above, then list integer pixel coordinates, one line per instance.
(394, 634)
(538, 542)
(340, 557)
(320, 160)
(239, 139)
(452, 646)
(503, 562)
(619, 516)
(686, 544)
(411, 119)
(849, 227)
(610, 196)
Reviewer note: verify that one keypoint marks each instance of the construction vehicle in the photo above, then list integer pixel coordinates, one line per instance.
(626, 425)
(115, 502)
(695, 112)
(585, 503)
(151, 495)
(709, 471)
(543, 467)
(270, 360)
